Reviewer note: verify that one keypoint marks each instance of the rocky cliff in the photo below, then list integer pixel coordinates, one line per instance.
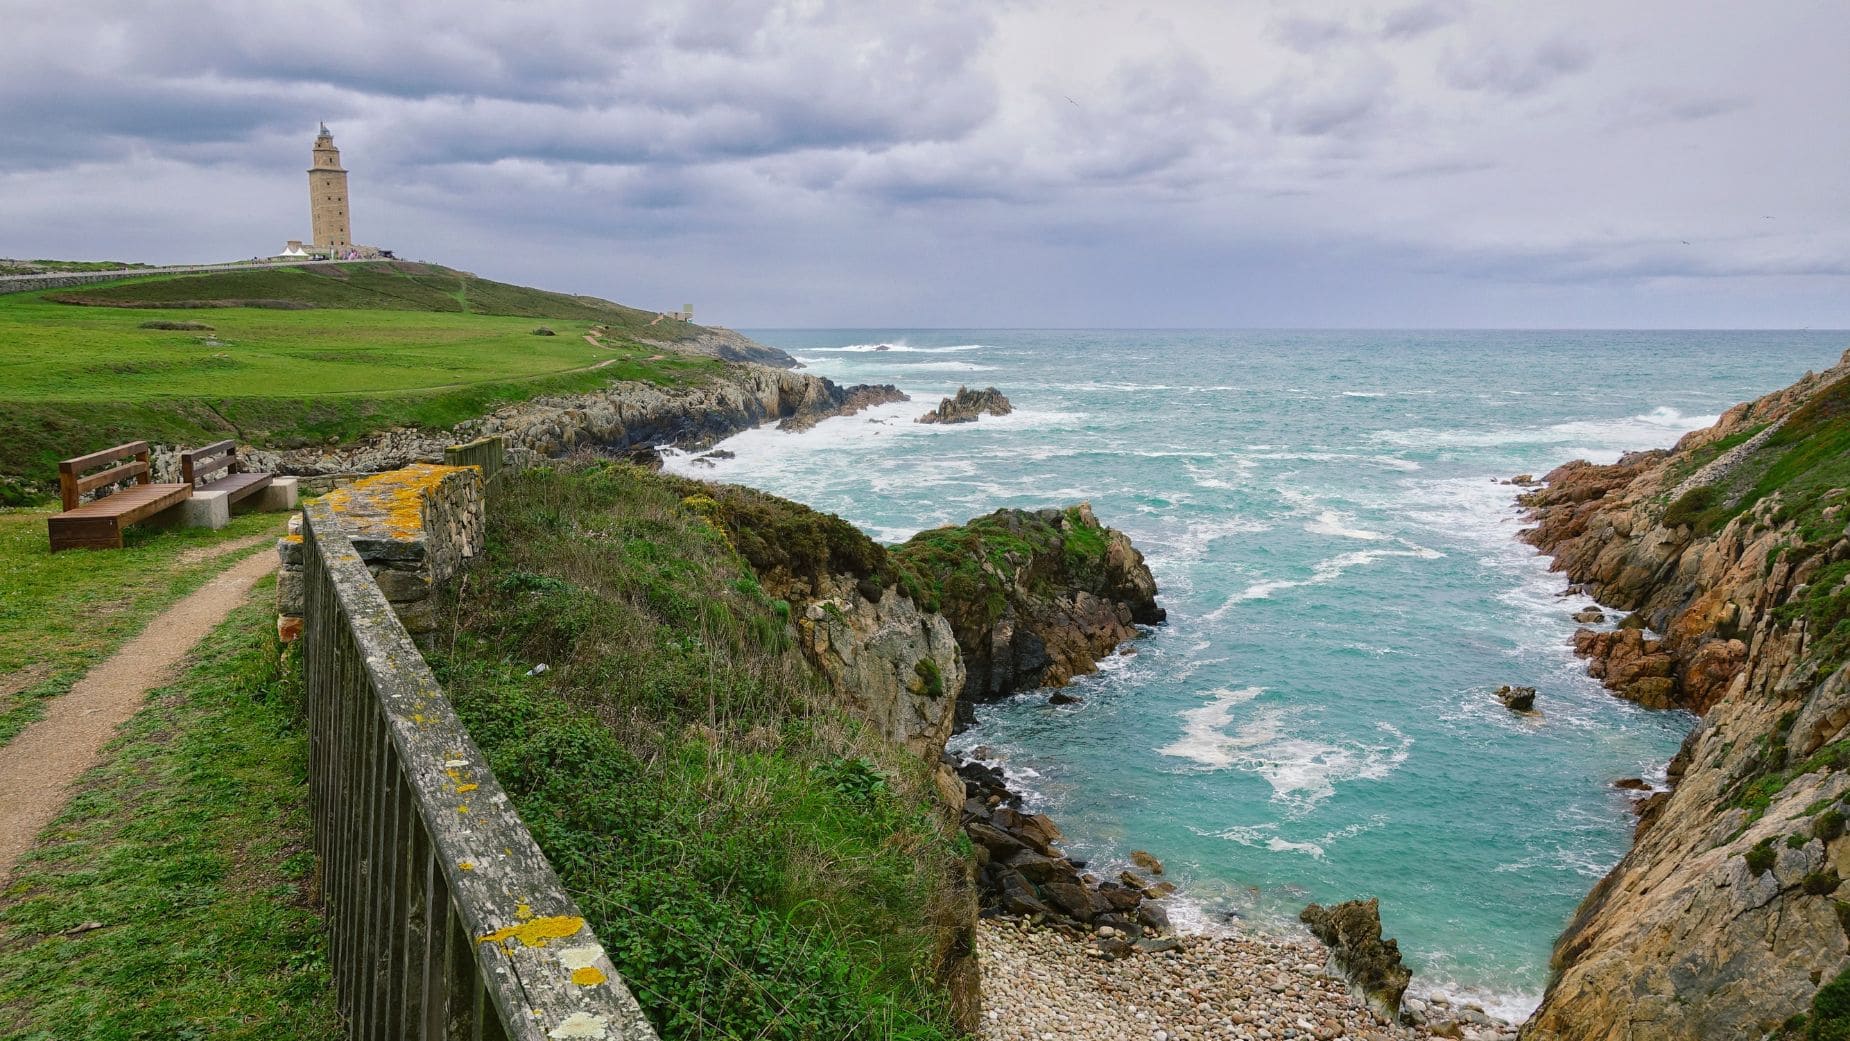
(715, 342)
(1730, 551)
(1035, 597)
(614, 421)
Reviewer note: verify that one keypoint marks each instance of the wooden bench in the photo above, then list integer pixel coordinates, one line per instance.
(98, 524)
(198, 466)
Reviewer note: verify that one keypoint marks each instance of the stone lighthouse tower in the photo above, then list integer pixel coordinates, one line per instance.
(327, 196)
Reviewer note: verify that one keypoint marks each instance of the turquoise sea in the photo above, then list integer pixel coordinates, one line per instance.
(1322, 513)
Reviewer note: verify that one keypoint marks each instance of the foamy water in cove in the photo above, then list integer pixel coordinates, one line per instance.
(1344, 592)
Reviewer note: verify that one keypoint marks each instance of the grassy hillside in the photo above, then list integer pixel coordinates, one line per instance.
(290, 356)
(398, 286)
(756, 863)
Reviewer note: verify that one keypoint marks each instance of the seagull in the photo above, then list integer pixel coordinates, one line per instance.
(1075, 104)
(1686, 242)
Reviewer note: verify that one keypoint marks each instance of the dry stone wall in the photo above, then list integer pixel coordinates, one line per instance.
(415, 528)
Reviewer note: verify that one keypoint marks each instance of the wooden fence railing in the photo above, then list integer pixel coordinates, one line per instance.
(445, 921)
(488, 453)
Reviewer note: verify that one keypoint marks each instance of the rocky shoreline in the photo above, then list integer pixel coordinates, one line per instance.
(622, 420)
(1726, 557)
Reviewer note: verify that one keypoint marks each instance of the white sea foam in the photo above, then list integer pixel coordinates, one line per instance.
(1324, 571)
(1364, 394)
(1268, 741)
(1203, 739)
(1389, 461)
(942, 366)
(1335, 522)
(1601, 440)
(900, 347)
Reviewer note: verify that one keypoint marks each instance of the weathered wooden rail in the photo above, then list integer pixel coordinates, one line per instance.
(445, 920)
(489, 454)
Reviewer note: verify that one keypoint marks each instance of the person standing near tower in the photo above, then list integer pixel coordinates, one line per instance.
(327, 198)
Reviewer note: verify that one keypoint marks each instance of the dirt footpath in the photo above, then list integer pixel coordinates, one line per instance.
(38, 766)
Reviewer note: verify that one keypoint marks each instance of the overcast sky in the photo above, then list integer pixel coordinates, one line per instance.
(1647, 163)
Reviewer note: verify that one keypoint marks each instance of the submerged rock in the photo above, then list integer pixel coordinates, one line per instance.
(1352, 932)
(968, 405)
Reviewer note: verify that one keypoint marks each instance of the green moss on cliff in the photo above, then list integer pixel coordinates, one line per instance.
(1804, 462)
(969, 570)
(756, 863)
(1830, 1011)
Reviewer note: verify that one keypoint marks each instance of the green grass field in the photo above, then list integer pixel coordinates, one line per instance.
(293, 356)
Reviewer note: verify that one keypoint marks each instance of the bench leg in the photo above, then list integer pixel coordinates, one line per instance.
(278, 497)
(84, 533)
(202, 510)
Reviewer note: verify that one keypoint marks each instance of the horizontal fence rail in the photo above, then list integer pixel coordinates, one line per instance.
(445, 920)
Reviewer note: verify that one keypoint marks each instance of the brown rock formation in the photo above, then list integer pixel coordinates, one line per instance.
(1352, 932)
(1726, 917)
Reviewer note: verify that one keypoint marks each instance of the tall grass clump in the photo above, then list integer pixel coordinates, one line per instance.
(757, 864)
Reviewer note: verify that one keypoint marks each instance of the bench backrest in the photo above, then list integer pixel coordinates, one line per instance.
(72, 484)
(201, 463)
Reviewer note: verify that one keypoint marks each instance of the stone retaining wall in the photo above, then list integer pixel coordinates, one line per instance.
(415, 528)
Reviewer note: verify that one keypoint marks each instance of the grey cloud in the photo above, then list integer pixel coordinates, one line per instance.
(1307, 34)
(1418, 20)
(1497, 70)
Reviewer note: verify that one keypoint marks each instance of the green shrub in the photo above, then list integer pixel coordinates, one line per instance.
(1818, 883)
(758, 864)
(1830, 1011)
(931, 677)
(1760, 859)
(1691, 508)
(1828, 825)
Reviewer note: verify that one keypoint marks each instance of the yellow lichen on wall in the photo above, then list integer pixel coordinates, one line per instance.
(389, 505)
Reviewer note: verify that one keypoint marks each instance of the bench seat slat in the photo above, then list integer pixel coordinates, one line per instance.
(239, 485)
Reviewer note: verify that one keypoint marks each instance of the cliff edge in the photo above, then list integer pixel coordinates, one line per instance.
(1730, 551)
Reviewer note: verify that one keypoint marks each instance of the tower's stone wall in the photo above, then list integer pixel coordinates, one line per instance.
(327, 196)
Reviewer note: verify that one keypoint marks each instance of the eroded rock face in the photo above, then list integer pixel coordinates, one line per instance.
(967, 406)
(716, 342)
(897, 666)
(1723, 920)
(1352, 932)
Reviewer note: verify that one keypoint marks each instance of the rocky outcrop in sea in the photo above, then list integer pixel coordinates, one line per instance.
(967, 406)
(1035, 597)
(1728, 556)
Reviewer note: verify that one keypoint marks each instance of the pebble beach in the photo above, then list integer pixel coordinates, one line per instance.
(1042, 985)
